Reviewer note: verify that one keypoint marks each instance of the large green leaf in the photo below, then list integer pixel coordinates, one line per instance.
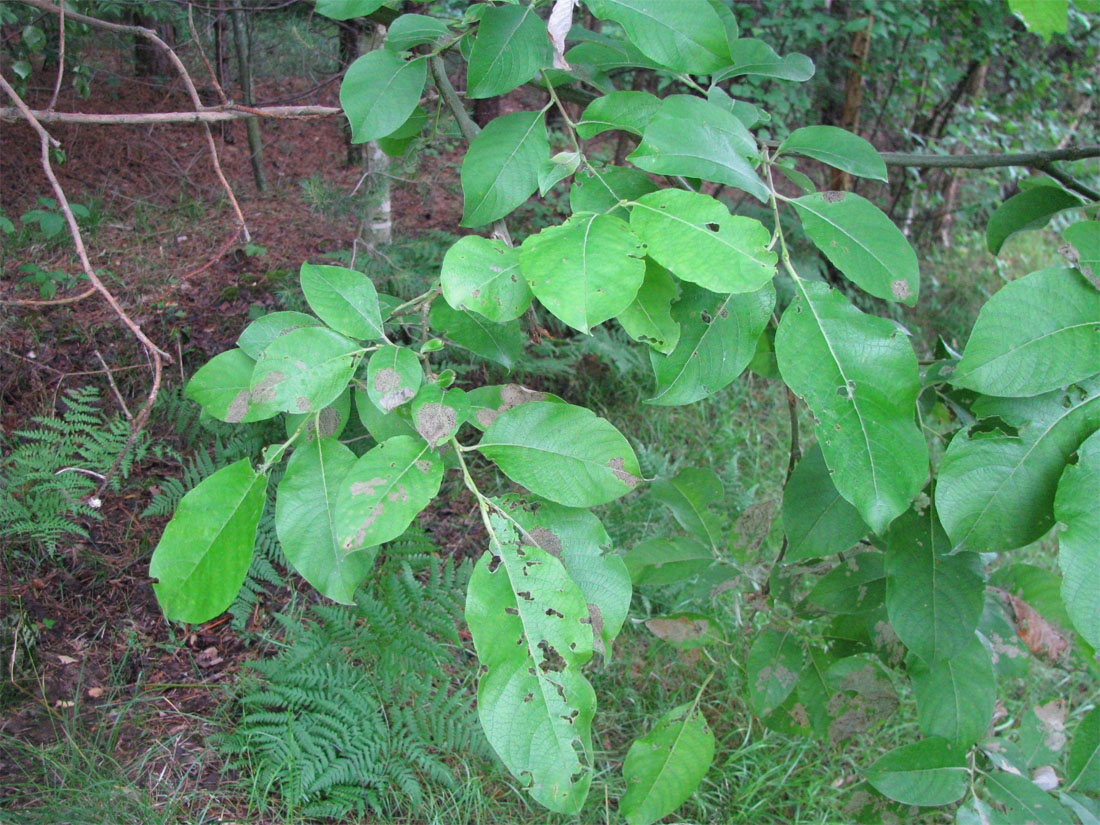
(934, 600)
(755, 57)
(862, 243)
(394, 375)
(1030, 209)
(692, 137)
(586, 270)
(380, 92)
(563, 453)
(530, 628)
(697, 239)
(775, 661)
(410, 30)
(603, 190)
(501, 167)
(649, 317)
(482, 275)
(1038, 333)
(1043, 17)
(384, 490)
(859, 375)
(1083, 763)
(304, 370)
(511, 46)
(836, 147)
(1024, 802)
(1077, 506)
(856, 585)
(265, 329)
(955, 695)
(305, 520)
(929, 772)
(686, 36)
(203, 556)
(502, 343)
(665, 766)
(344, 299)
(996, 489)
(666, 561)
(718, 339)
(347, 9)
(223, 388)
(816, 518)
(689, 495)
(629, 111)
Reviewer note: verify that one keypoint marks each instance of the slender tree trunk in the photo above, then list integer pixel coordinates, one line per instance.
(221, 63)
(350, 32)
(252, 125)
(376, 226)
(853, 94)
(149, 61)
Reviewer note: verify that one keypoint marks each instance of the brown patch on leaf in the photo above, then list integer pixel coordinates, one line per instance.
(387, 380)
(678, 630)
(264, 391)
(900, 289)
(545, 538)
(486, 417)
(436, 422)
(1044, 639)
(238, 407)
(1052, 720)
(832, 197)
(618, 468)
(366, 488)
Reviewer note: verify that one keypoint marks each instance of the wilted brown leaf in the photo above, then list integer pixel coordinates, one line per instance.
(1042, 638)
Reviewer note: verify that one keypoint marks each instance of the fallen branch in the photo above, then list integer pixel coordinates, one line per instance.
(208, 114)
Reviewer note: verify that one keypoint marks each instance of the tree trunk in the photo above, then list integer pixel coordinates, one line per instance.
(221, 64)
(149, 61)
(350, 32)
(252, 125)
(853, 94)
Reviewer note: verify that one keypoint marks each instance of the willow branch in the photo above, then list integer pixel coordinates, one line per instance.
(207, 114)
(989, 161)
(1068, 181)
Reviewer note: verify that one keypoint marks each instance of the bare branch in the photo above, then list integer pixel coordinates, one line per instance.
(212, 114)
(989, 161)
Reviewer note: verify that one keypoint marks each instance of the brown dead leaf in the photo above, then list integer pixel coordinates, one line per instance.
(66, 660)
(1042, 638)
(95, 692)
(1052, 718)
(678, 630)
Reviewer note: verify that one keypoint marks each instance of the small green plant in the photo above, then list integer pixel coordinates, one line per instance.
(48, 281)
(48, 218)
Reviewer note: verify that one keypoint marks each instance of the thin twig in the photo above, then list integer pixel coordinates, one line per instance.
(198, 45)
(1068, 181)
(207, 114)
(60, 59)
(114, 387)
(53, 302)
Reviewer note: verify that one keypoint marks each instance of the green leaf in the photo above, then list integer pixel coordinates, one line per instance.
(222, 387)
(1085, 238)
(838, 148)
(384, 490)
(755, 57)
(664, 767)
(816, 518)
(1038, 333)
(649, 319)
(860, 241)
(685, 36)
(380, 92)
(859, 375)
(347, 9)
(410, 30)
(203, 556)
(329, 422)
(775, 661)
(697, 239)
(856, 585)
(585, 271)
(1076, 506)
(689, 495)
(934, 600)
(718, 337)
(578, 540)
(344, 299)
(382, 426)
(529, 625)
(955, 695)
(996, 490)
(557, 168)
(510, 48)
(691, 137)
(563, 453)
(1024, 801)
(304, 370)
(1043, 17)
(629, 111)
(603, 192)
(929, 772)
(305, 520)
(501, 343)
(482, 275)
(260, 333)
(393, 377)
(1083, 765)
(501, 167)
(486, 403)
(667, 561)
(397, 142)
(1030, 209)
(437, 413)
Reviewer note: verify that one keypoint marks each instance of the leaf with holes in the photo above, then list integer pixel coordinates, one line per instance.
(628, 111)
(718, 339)
(775, 661)
(304, 370)
(1031, 209)
(934, 599)
(203, 556)
(223, 388)
(685, 36)
(501, 167)
(529, 626)
(816, 518)
(305, 520)
(860, 241)
(482, 275)
(393, 377)
(649, 319)
(856, 585)
(697, 239)
(690, 495)
(563, 453)
(586, 270)
(838, 148)
(929, 772)
(955, 695)
(500, 343)
(1075, 506)
(511, 46)
(665, 766)
(859, 375)
(384, 490)
(344, 299)
(379, 93)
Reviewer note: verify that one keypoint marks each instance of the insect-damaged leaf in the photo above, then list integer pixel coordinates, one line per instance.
(563, 453)
(775, 661)
(685, 631)
(529, 626)
(204, 553)
(482, 275)
(344, 299)
(856, 585)
(223, 388)
(393, 377)
(486, 403)
(1076, 506)
(817, 519)
(385, 489)
(305, 520)
(665, 766)
(304, 370)
(326, 423)
(649, 319)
